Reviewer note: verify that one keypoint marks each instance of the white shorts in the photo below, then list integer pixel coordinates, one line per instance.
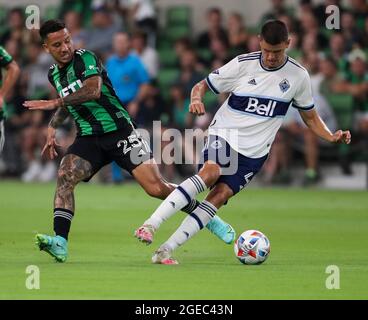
(2, 135)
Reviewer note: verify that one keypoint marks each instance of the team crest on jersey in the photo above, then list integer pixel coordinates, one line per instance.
(284, 85)
(216, 144)
(70, 76)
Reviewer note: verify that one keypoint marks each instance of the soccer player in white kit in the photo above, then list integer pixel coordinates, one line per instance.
(262, 86)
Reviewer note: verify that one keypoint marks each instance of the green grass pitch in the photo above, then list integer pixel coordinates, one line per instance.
(308, 229)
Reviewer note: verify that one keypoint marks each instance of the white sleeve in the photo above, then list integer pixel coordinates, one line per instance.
(303, 99)
(225, 78)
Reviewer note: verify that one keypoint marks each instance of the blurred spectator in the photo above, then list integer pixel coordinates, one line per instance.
(310, 43)
(151, 108)
(181, 45)
(180, 119)
(359, 9)
(220, 51)
(148, 55)
(237, 33)
(100, 35)
(356, 84)
(73, 21)
(140, 14)
(338, 51)
(83, 7)
(17, 120)
(310, 29)
(17, 35)
(14, 49)
(214, 30)
(189, 74)
(253, 43)
(37, 87)
(352, 35)
(37, 84)
(16, 29)
(278, 8)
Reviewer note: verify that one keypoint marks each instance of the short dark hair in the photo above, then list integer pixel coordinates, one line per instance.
(274, 32)
(140, 34)
(215, 10)
(51, 26)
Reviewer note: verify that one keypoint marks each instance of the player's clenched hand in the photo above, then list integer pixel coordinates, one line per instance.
(342, 137)
(49, 150)
(41, 104)
(197, 107)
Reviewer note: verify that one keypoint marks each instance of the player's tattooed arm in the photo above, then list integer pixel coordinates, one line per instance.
(197, 93)
(91, 90)
(58, 118)
(73, 169)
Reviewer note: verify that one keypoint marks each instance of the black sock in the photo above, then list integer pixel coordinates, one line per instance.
(62, 220)
(189, 208)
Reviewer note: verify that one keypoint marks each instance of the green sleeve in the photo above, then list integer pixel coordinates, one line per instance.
(87, 65)
(5, 57)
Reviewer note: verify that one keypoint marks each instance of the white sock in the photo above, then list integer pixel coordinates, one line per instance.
(191, 225)
(177, 200)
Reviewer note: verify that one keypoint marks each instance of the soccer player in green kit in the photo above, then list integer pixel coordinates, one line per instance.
(105, 133)
(12, 73)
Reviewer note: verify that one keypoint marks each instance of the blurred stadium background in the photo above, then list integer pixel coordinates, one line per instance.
(178, 43)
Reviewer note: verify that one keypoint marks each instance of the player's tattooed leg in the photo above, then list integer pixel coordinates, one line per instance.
(73, 169)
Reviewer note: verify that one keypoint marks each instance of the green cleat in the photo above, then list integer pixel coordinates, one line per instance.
(222, 230)
(56, 246)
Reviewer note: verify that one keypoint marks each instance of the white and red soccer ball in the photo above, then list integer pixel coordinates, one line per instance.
(252, 247)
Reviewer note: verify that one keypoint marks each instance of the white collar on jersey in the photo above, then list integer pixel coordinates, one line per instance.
(272, 69)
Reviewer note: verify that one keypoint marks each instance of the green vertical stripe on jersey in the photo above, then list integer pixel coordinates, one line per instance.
(107, 122)
(115, 101)
(84, 128)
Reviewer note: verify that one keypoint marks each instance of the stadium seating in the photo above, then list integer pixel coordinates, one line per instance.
(51, 12)
(342, 105)
(165, 79)
(178, 15)
(167, 57)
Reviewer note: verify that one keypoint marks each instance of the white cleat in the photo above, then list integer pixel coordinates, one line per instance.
(163, 256)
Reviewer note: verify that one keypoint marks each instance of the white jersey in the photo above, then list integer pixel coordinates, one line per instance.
(259, 99)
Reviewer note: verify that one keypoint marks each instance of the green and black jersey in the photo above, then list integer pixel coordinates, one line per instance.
(5, 59)
(95, 117)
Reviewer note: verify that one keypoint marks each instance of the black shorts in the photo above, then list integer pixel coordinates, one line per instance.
(125, 146)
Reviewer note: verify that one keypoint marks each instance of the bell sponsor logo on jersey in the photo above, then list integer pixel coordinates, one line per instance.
(255, 107)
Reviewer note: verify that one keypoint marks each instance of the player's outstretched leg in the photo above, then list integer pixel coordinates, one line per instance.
(221, 229)
(193, 223)
(73, 169)
(150, 179)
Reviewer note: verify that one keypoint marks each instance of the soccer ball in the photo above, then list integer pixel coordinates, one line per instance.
(252, 247)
